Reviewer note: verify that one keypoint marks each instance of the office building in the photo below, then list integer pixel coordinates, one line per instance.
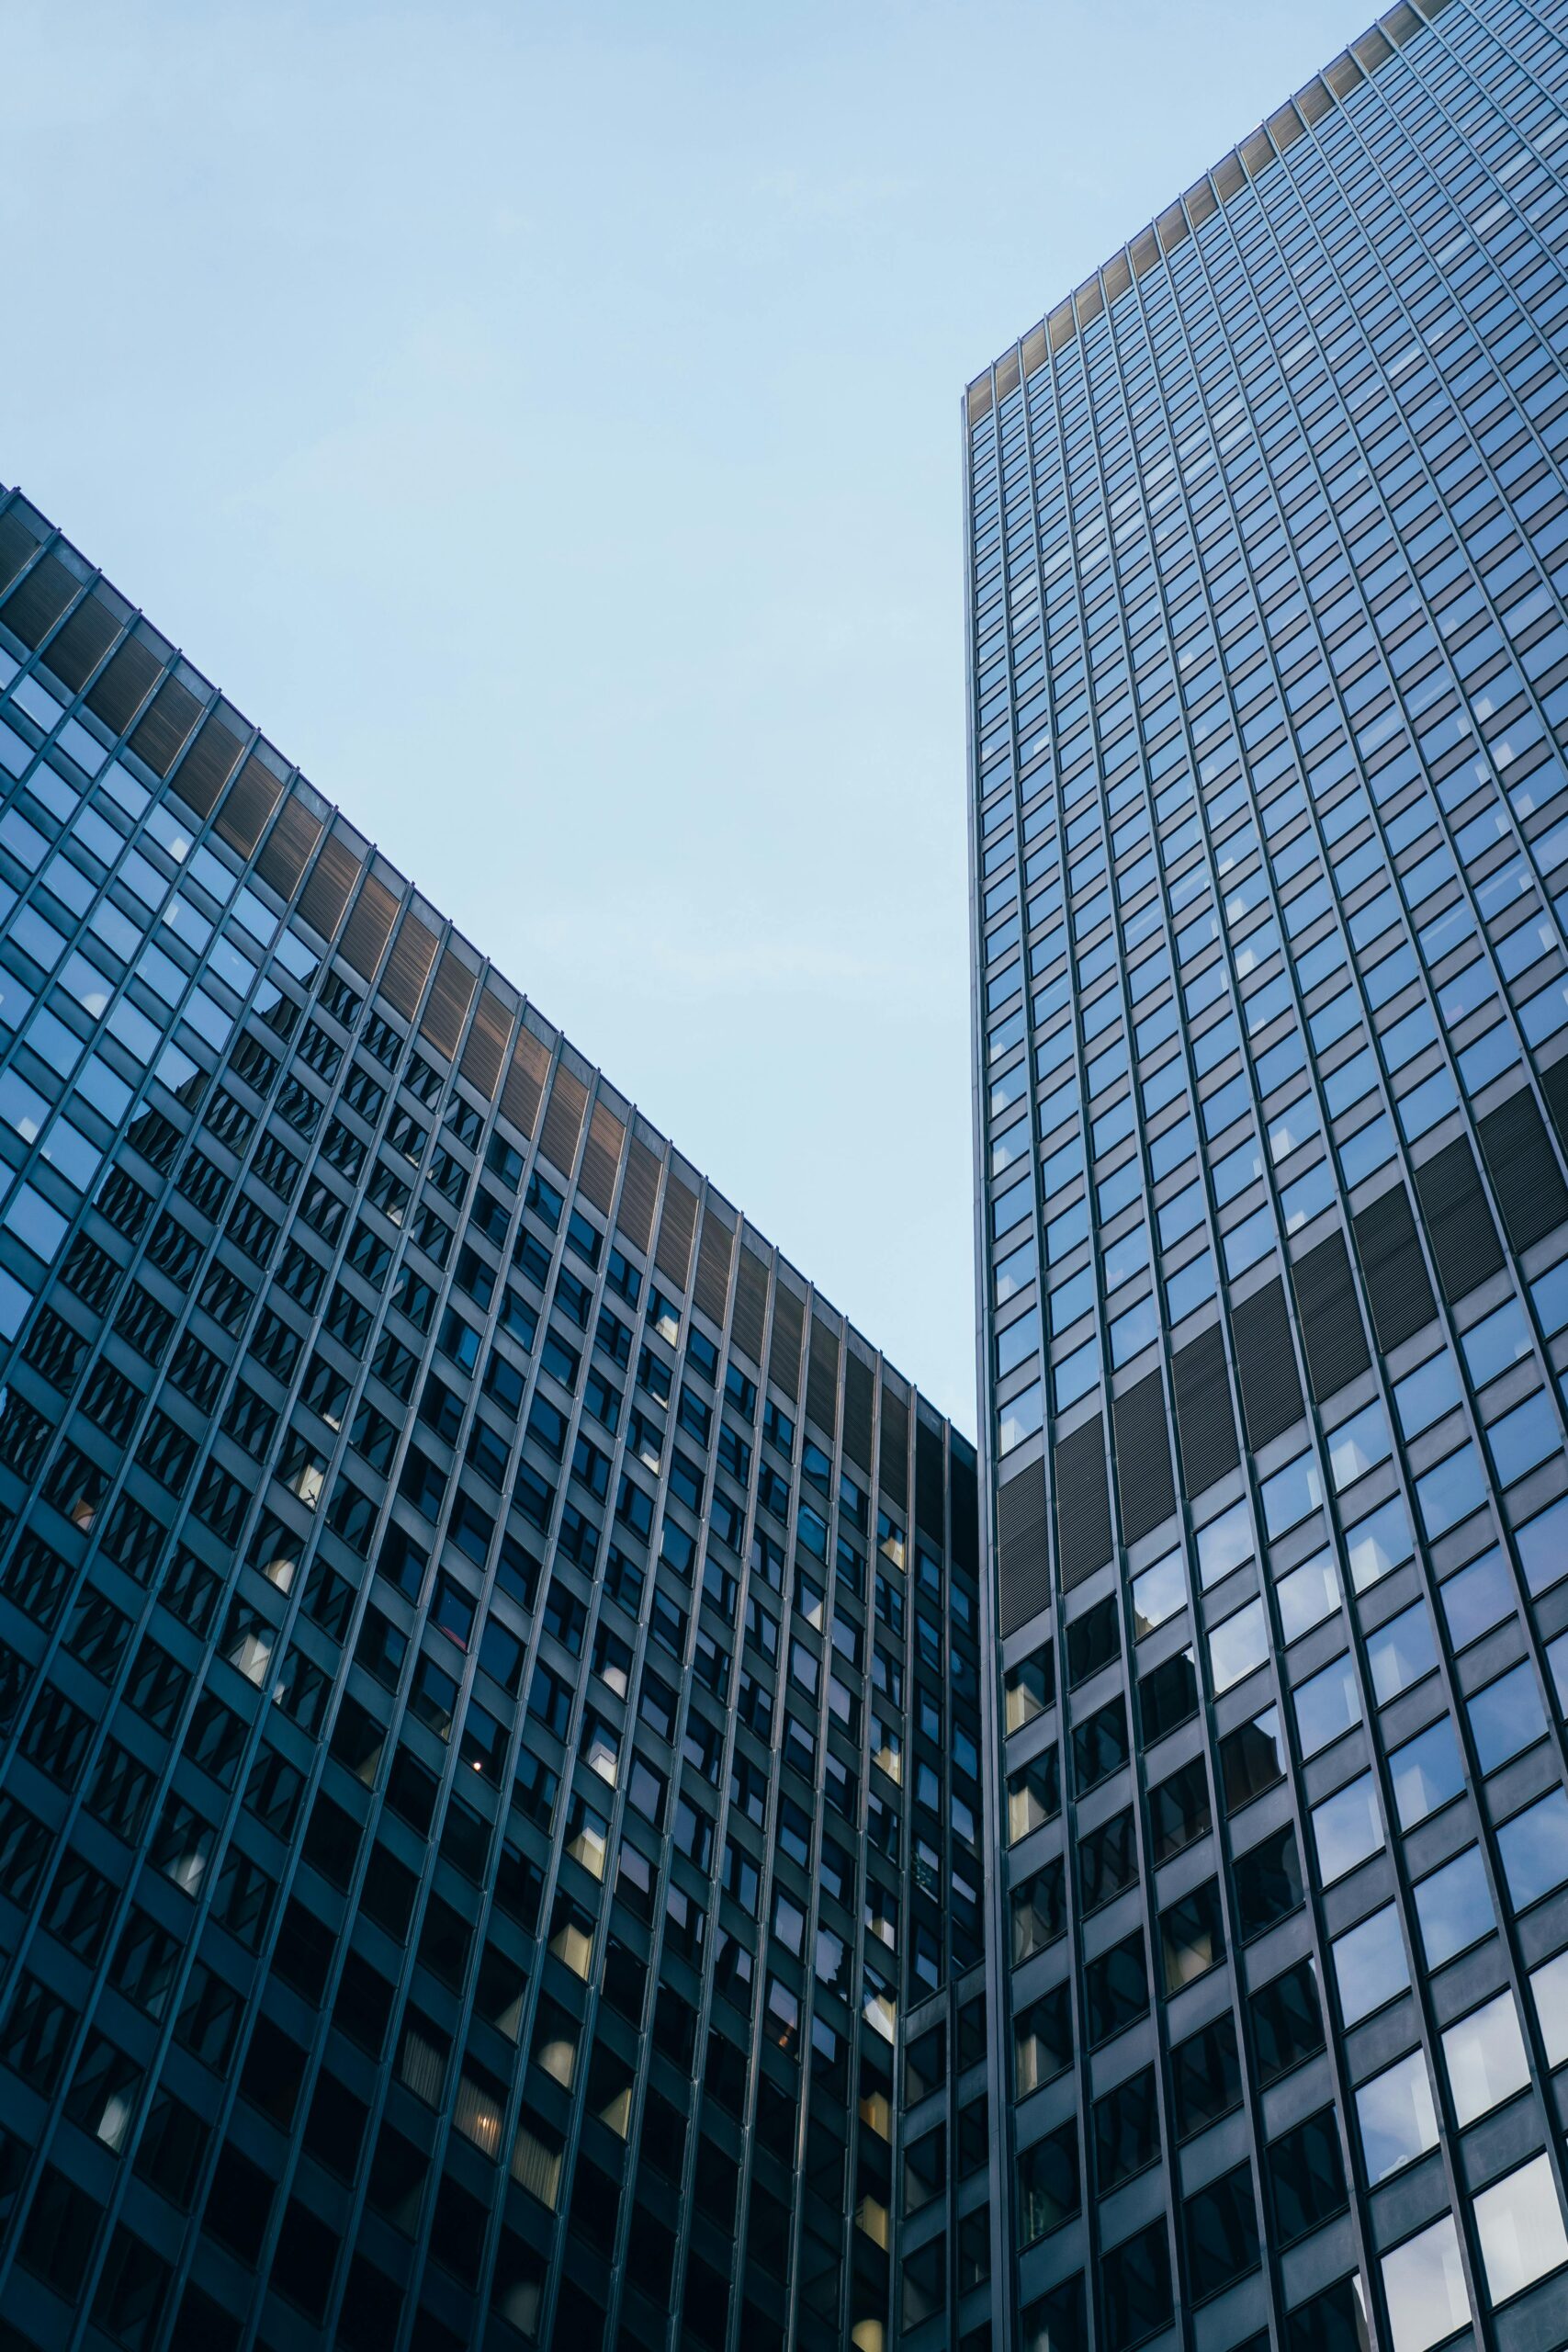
(1267, 552)
(490, 1733)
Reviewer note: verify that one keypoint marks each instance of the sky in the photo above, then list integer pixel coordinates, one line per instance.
(544, 424)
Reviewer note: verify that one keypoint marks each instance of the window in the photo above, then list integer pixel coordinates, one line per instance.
(1033, 1794)
(1126, 2131)
(1370, 1964)
(1346, 1827)
(1136, 2275)
(1424, 2282)
(1306, 2177)
(1454, 1905)
(1030, 1688)
(1192, 1938)
(1534, 1847)
(1178, 1809)
(1401, 1652)
(1048, 2186)
(1327, 1705)
(1042, 2040)
(1485, 2055)
(1221, 2226)
(1520, 2222)
(1116, 1988)
(1238, 1646)
(1287, 2021)
(1252, 1759)
(1268, 1883)
(1396, 2117)
(1427, 1772)
(1506, 1717)
(1206, 2075)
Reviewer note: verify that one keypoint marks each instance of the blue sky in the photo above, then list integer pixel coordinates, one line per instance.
(544, 424)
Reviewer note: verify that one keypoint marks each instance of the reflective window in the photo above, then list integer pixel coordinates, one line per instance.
(1346, 1828)
(1454, 1906)
(1396, 2117)
(1427, 1772)
(1424, 2282)
(1370, 1964)
(1520, 2222)
(1534, 1847)
(1485, 2055)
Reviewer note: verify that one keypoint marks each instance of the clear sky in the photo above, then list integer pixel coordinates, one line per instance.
(544, 422)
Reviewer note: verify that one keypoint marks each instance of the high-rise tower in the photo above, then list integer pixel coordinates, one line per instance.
(490, 1734)
(1268, 548)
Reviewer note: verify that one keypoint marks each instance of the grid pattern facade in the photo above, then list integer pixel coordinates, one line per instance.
(1269, 550)
(490, 1713)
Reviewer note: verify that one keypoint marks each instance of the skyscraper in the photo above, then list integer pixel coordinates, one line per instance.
(490, 1733)
(1267, 552)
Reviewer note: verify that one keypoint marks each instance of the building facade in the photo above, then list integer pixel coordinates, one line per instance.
(1269, 548)
(490, 1709)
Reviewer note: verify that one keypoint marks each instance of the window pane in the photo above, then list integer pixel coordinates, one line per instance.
(1549, 1990)
(1535, 1849)
(1427, 1772)
(1238, 1646)
(1424, 2281)
(1454, 1906)
(1370, 1964)
(1484, 2054)
(1398, 2121)
(1506, 1717)
(1347, 1826)
(1327, 1705)
(1520, 2222)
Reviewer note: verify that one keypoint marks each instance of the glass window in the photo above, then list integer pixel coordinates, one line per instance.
(1534, 1845)
(1193, 1937)
(1291, 1494)
(1478, 1598)
(1401, 1652)
(1370, 1964)
(1454, 1906)
(1427, 1394)
(1031, 1686)
(1549, 1990)
(1484, 2054)
(1157, 1594)
(1224, 1545)
(1396, 2117)
(1306, 2176)
(1427, 1772)
(1450, 1492)
(1327, 1705)
(1252, 1759)
(1346, 1828)
(1267, 1882)
(1520, 2222)
(1503, 1339)
(1357, 1445)
(1506, 1717)
(1424, 2282)
(1221, 2223)
(1378, 1543)
(1308, 1595)
(1206, 2075)
(1238, 1646)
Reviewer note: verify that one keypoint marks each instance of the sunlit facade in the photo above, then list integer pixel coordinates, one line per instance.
(1268, 548)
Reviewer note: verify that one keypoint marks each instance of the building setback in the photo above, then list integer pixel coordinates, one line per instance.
(490, 1714)
(1267, 552)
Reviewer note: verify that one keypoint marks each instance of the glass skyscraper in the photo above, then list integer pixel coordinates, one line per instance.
(1267, 553)
(489, 1662)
